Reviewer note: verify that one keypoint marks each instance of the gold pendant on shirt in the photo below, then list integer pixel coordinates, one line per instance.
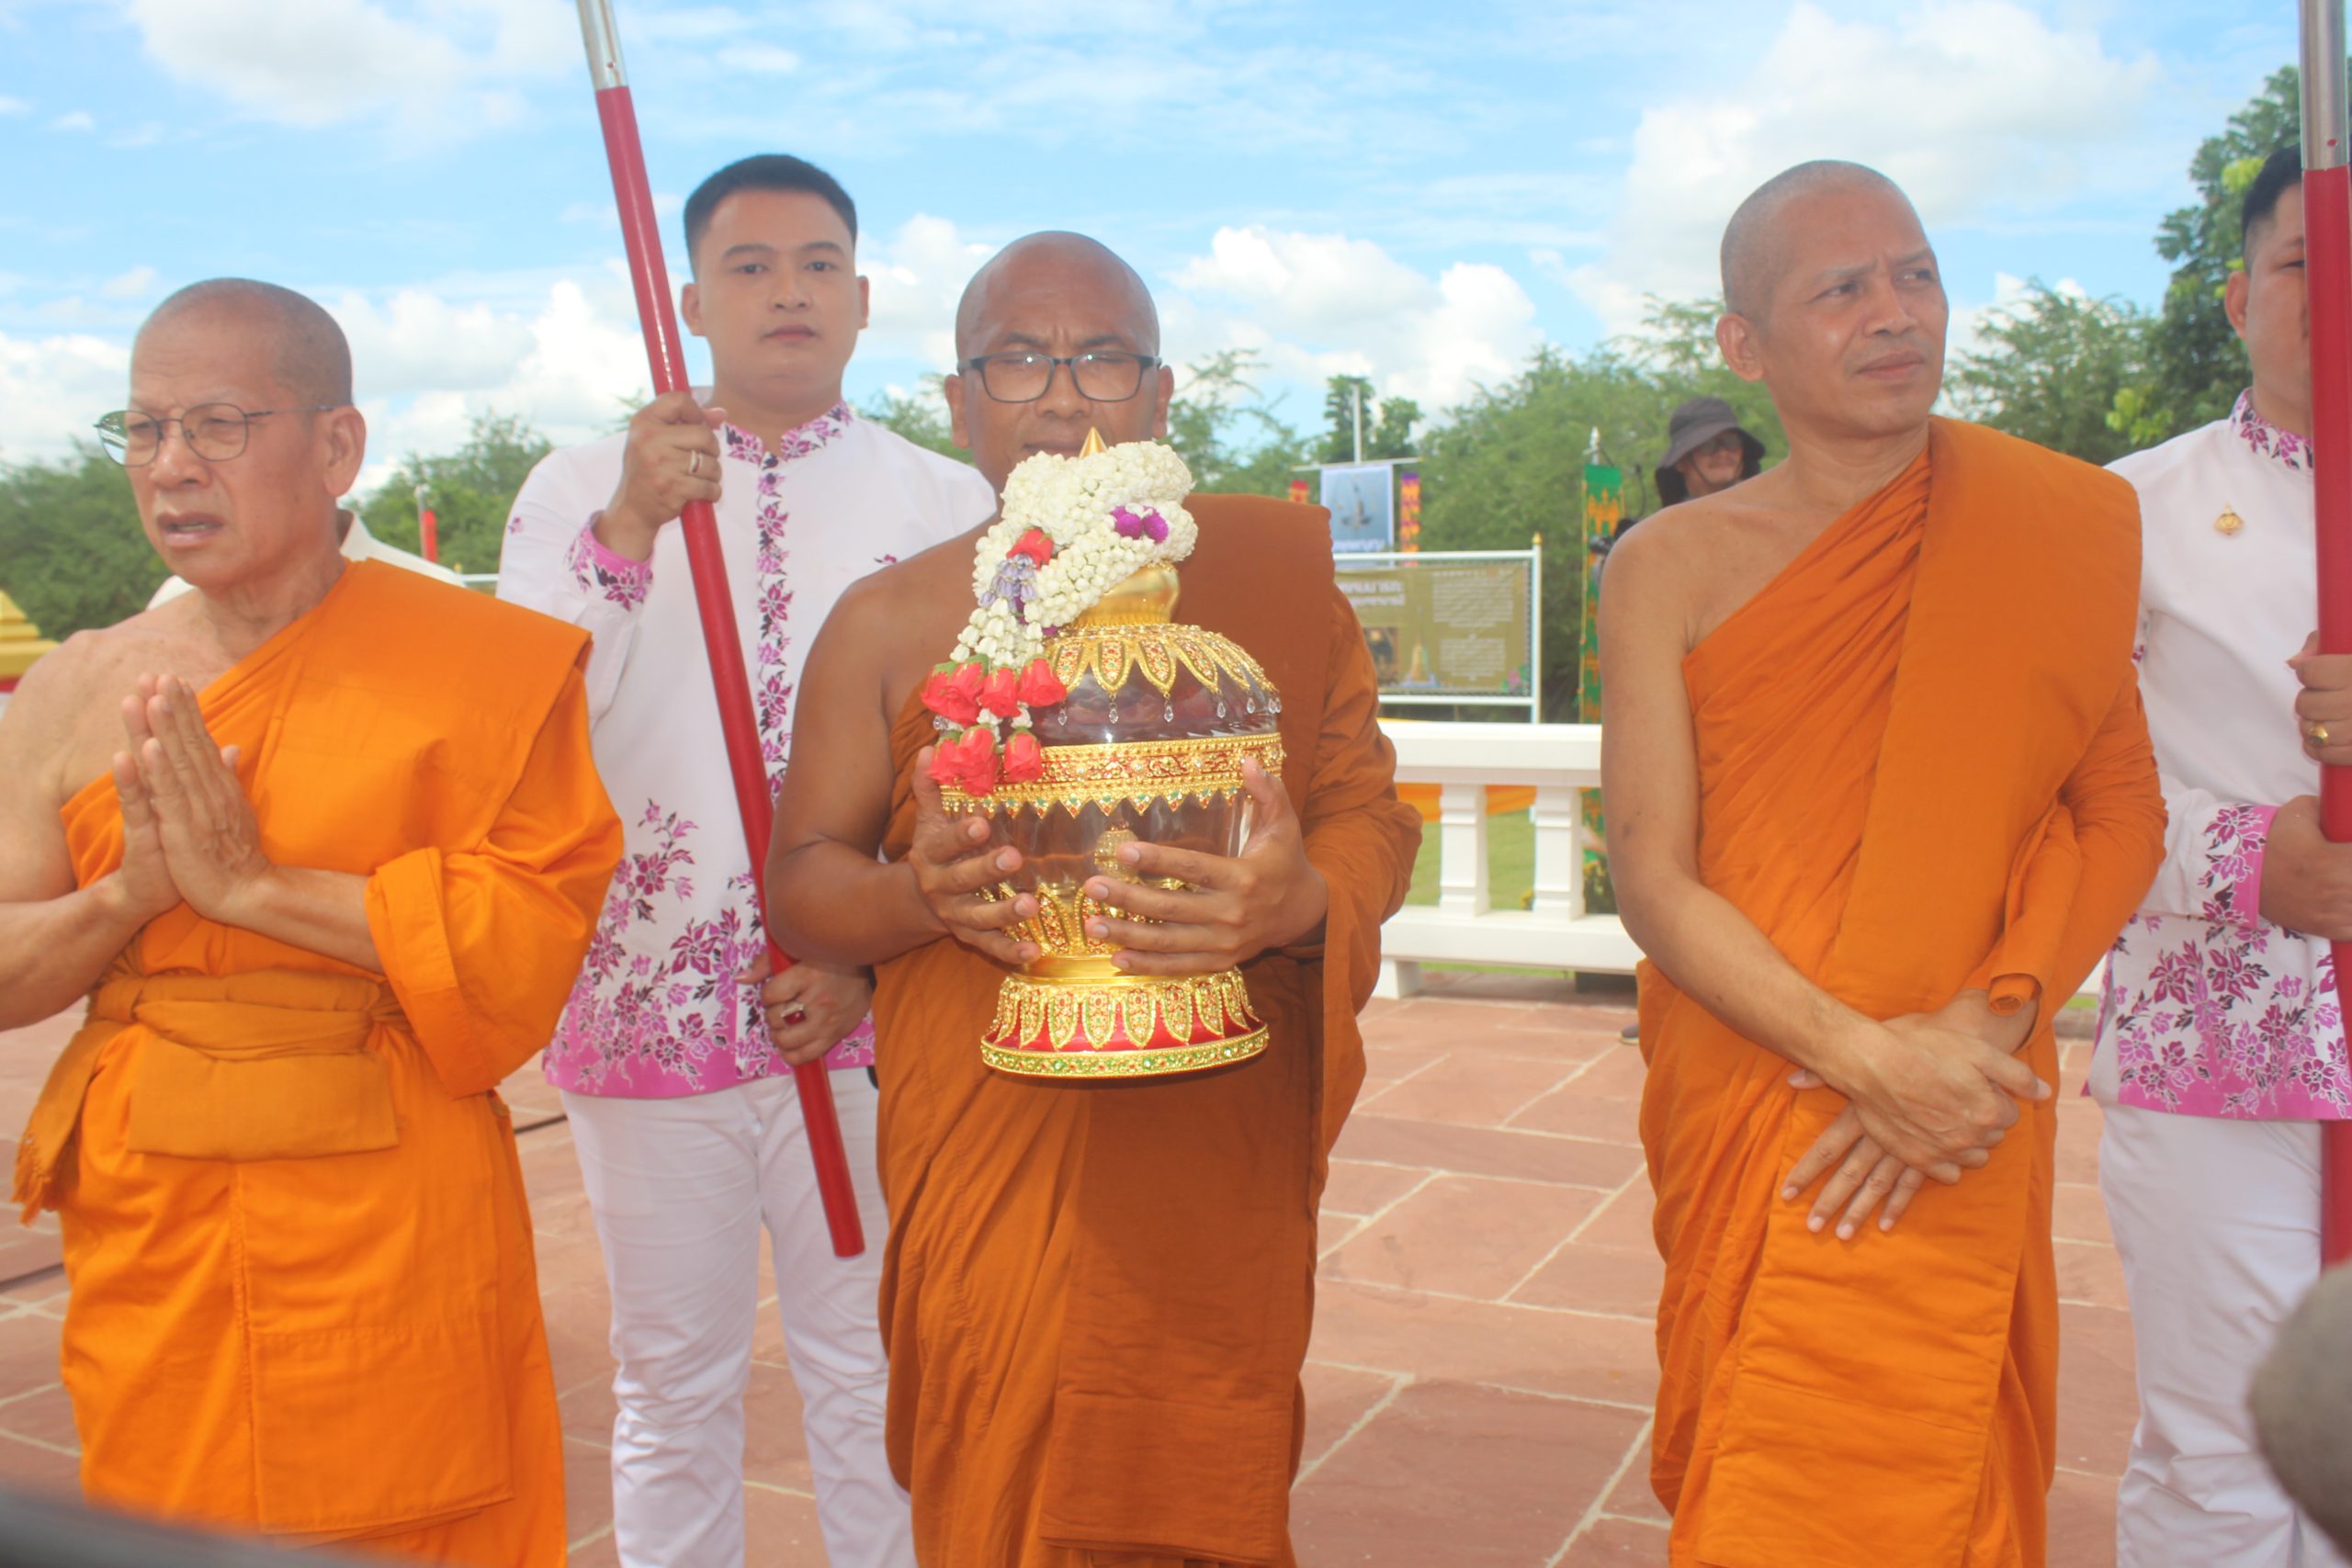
(2229, 523)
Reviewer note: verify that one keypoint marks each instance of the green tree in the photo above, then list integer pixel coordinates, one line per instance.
(921, 416)
(72, 555)
(2056, 369)
(1229, 437)
(1387, 422)
(471, 491)
(2197, 367)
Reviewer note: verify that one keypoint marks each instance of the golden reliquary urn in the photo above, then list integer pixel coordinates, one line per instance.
(1147, 744)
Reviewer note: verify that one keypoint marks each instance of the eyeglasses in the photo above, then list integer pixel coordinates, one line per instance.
(214, 432)
(1021, 377)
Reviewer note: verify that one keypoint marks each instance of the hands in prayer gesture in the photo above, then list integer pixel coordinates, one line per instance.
(1932, 1100)
(188, 831)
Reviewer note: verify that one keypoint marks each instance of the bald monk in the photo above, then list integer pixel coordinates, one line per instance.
(324, 883)
(1888, 796)
(1096, 1298)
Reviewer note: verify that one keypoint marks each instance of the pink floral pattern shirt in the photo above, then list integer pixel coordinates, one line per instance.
(2207, 1009)
(657, 1011)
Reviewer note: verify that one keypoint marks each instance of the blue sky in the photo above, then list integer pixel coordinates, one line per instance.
(1418, 193)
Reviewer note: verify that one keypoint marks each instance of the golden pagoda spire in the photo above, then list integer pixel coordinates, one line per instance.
(20, 641)
(1093, 443)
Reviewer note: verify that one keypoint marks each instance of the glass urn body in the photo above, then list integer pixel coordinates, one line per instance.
(1147, 745)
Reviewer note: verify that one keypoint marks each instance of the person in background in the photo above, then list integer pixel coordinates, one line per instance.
(2220, 1044)
(674, 1055)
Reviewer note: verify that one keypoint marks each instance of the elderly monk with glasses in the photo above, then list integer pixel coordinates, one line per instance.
(1097, 1298)
(321, 844)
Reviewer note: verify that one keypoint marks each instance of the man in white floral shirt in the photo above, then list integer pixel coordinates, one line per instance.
(673, 1055)
(2220, 1042)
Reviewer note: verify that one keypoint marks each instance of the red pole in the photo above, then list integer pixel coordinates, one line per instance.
(666, 356)
(2327, 276)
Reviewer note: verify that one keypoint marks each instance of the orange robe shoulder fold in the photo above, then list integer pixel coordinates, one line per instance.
(1922, 767)
(304, 1303)
(1096, 1297)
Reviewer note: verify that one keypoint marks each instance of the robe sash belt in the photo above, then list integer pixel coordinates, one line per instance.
(264, 1064)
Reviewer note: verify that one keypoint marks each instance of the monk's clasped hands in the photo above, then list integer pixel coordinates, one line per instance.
(182, 804)
(1928, 1097)
(1228, 911)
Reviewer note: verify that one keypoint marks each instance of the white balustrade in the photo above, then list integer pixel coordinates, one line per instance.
(1462, 927)
(1555, 932)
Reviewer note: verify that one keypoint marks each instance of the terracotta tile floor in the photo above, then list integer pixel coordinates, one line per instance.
(1480, 1378)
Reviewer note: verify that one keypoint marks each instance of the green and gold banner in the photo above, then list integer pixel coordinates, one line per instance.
(1604, 508)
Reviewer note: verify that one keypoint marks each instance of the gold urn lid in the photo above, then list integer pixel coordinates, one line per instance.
(20, 641)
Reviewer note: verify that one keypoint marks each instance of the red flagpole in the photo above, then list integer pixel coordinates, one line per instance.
(2327, 276)
(665, 353)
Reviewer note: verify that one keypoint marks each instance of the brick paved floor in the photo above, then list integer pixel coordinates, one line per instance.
(1479, 1382)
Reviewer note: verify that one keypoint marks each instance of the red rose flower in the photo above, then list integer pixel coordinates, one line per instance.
(943, 770)
(1034, 544)
(955, 694)
(999, 694)
(975, 761)
(1024, 760)
(1039, 685)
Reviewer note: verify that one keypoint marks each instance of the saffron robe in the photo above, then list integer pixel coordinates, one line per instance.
(304, 1303)
(1922, 766)
(1096, 1297)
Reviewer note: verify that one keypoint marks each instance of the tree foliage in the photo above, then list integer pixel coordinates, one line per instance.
(471, 491)
(72, 555)
(1387, 422)
(2056, 369)
(2195, 369)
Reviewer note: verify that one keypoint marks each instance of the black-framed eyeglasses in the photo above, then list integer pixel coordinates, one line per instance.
(214, 432)
(1021, 376)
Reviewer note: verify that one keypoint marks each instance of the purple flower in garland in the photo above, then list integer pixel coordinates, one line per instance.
(1016, 580)
(1139, 525)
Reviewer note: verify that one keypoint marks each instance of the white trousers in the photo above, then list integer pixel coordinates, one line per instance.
(681, 1190)
(2217, 1223)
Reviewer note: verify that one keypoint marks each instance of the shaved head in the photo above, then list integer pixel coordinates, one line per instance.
(1052, 259)
(309, 356)
(1755, 251)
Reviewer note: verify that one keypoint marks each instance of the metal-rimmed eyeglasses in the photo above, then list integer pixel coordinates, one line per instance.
(1021, 376)
(214, 432)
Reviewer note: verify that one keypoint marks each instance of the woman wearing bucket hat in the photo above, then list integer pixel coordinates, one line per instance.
(1705, 451)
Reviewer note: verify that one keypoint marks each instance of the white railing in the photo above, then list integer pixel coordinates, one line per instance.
(1463, 926)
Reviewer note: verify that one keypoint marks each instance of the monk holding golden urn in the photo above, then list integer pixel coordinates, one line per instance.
(1078, 716)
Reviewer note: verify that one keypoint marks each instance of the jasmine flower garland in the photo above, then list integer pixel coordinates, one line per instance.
(1071, 529)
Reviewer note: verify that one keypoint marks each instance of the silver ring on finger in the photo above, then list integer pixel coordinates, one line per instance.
(693, 462)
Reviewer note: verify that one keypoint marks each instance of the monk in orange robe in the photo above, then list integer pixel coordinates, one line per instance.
(1097, 1297)
(324, 845)
(1880, 795)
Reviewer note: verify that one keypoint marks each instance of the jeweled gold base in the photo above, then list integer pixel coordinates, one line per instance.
(1123, 1027)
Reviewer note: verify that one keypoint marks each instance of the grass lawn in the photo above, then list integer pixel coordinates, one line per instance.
(1510, 862)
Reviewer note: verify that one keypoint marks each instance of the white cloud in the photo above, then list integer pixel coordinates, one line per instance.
(1971, 105)
(79, 121)
(759, 59)
(1320, 305)
(130, 284)
(51, 387)
(11, 108)
(327, 61)
(918, 274)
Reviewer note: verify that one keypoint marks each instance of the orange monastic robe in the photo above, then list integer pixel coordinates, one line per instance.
(304, 1302)
(1922, 767)
(1096, 1297)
